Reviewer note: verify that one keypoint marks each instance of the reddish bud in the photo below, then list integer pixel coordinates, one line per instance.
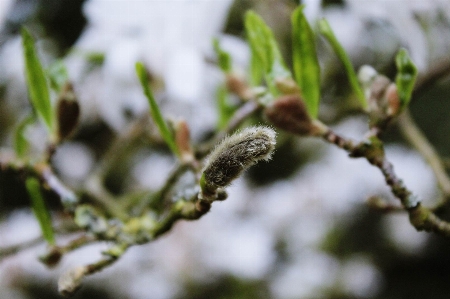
(183, 141)
(68, 112)
(289, 113)
(394, 104)
(237, 85)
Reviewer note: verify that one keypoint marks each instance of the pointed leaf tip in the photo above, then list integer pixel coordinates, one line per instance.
(36, 81)
(305, 61)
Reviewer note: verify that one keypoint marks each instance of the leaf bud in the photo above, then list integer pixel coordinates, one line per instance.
(393, 99)
(287, 86)
(289, 113)
(183, 141)
(236, 84)
(68, 112)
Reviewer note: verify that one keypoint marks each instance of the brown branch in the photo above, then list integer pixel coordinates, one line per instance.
(420, 217)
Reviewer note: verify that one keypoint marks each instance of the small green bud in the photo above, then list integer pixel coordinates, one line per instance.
(235, 154)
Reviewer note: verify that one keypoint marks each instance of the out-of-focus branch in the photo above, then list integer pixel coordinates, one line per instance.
(420, 217)
(55, 253)
(435, 72)
(381, 205)
(95, 189)
(418, 140)
(242, 114)
(14, 249)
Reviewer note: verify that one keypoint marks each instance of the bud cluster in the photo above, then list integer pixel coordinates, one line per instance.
(382, 94)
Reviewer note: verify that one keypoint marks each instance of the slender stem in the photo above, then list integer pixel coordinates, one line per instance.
(238, 118)
(420, 217)
(11, 250)
(67, 196)
(382, 205)
(170, 182)
(435, 72)
(77, 243)
(446, 162)
(417, 139)
(95, 189)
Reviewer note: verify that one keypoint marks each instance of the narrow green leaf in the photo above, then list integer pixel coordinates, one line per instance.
(40, 210)
(266, 56)
(58, 75)
(224, 57)
(95, 58)
(326, 31)
(406, 76)
(225, 108)
(21, 144)
(256, 70)
(154, 109)
(306, 64)
(36, 81)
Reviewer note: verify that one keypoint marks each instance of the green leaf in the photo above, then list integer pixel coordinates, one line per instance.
(266, 56)
(306, 65)
(154, 109)
(40, 210)
(58, 75)
(326, 31)
(406, 76)
(95, 58)
(256, 70)
(36, 81)
(224, 58)
(225, 108)
(21, 144)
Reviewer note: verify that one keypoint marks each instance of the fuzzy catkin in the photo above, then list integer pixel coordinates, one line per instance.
(238, 152)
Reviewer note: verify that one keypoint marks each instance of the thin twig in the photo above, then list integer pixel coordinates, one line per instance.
(51, 180)
(95, 189)
(379, 204)
(420, 217)
(238, 118)
(418, 140)
(434, 73)
(14, 249)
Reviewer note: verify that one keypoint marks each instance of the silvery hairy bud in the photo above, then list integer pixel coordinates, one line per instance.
(235, 154)
(289, 113)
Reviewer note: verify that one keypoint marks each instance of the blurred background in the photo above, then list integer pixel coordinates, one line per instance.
(296, 227)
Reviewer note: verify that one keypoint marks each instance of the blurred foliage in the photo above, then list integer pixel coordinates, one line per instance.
(227, 287)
